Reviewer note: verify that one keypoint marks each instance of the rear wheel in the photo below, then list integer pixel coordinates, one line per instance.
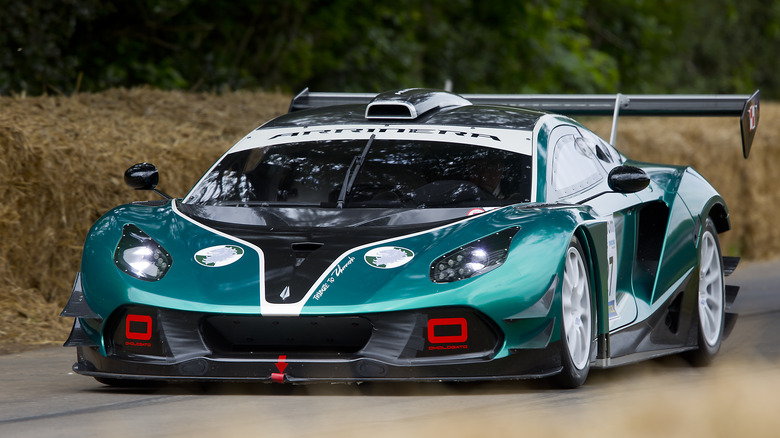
(577, 322)
(711, 297)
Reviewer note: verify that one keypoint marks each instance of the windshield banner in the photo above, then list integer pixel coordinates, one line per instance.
(505, 139)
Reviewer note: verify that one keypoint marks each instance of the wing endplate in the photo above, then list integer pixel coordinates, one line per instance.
(748, 123)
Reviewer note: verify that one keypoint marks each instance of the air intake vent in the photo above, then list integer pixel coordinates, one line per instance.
(411, 103)
(390, 110)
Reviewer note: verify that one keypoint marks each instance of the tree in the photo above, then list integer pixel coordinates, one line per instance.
(508, 46)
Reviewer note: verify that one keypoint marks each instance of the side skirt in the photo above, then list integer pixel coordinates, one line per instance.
(670, 329)
(638, 357)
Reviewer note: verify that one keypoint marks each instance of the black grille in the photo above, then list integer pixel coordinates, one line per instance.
(250, 334)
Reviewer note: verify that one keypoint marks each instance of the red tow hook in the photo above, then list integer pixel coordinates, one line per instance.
(278, 377)
(280, 365)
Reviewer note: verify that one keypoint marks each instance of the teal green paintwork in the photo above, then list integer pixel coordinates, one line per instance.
(688, 197)
(187, 285)
(535, 258)
(701, 198)
(593, 234)
(411, 282)
(542, 140)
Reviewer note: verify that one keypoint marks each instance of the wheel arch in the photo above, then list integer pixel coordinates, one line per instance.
(593, 238)
(576, 362)
(703, 200)
(719, 215)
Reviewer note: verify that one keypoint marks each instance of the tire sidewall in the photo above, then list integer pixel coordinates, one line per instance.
(707, 352)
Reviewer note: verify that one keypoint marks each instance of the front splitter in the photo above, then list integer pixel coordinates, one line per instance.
(524, 364)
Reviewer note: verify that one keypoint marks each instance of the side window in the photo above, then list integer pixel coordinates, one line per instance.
(574, 167)
(601, 149)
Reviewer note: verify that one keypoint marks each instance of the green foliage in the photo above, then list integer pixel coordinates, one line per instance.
(34, 43)
(507, 46)
(704, 46)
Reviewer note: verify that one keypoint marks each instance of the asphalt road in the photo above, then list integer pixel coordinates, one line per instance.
(41, 397)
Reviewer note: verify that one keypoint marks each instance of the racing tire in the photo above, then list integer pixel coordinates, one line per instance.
(577, 319)
(711, 298)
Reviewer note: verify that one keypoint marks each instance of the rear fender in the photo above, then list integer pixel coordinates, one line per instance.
(703, 200)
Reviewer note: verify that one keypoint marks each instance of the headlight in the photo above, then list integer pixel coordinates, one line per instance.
(140, 256)
(474, 259)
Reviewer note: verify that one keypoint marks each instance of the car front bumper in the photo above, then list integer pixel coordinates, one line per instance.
(449, 343)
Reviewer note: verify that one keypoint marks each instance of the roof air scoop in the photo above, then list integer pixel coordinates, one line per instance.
(411, 103)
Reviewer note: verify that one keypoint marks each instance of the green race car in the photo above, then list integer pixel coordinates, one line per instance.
(413, 235)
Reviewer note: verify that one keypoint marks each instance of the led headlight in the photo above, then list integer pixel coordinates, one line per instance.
(475, 258)
(139, 255)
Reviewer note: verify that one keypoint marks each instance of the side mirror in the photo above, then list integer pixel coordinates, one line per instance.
(628, 179)
(142, 176)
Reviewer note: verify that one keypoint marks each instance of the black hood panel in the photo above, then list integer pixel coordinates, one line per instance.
(300, 244)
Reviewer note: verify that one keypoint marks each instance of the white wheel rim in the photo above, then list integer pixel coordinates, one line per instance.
(710, 290)
(576, 309)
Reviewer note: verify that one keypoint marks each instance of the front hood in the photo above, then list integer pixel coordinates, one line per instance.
(300, 244)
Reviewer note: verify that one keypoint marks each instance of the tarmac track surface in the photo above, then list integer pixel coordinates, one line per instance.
(41, 397)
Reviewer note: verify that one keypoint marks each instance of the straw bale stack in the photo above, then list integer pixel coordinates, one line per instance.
(61, 167)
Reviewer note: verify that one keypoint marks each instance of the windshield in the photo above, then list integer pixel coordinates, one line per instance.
(394, 173)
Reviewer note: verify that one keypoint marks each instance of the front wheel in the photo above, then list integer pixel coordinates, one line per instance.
(711, 297)
(577, 322)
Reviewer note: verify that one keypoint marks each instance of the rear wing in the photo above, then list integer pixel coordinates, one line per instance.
(746, 107)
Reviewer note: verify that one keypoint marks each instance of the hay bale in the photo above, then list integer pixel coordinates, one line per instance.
(62, 164)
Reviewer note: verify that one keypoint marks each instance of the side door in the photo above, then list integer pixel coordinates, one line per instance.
(577, 173)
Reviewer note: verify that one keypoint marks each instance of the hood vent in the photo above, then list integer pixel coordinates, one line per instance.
(411, 103)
